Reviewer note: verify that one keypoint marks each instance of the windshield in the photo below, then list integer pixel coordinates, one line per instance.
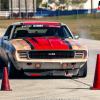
(41, 31)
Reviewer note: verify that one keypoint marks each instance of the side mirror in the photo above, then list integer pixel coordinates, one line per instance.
(76, 37)
(5, 37)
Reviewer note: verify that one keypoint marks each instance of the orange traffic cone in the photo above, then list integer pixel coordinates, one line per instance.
(96, 84)
(5, 81)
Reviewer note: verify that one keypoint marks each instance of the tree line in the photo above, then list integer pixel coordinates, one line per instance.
(73, 3)
(4, 4)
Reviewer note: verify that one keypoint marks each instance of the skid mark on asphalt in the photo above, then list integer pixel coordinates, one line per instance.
(81, 82)
(74, 88)
(78, 82)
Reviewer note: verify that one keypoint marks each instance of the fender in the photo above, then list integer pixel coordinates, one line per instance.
(9, 51)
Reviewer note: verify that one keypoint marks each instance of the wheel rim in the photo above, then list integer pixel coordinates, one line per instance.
(8, 68)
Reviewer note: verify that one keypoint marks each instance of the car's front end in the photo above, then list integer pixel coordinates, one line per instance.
(65, 62)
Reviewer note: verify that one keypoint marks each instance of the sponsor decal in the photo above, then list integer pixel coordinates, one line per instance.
(24, 26)
(56, 26)
(34, 74)
(38, 25)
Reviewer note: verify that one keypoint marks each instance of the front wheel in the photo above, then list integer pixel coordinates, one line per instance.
(2, 64)
(83, 70)
(82, 73)
(13, 72)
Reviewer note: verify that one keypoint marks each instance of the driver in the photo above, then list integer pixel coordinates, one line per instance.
(53, 32)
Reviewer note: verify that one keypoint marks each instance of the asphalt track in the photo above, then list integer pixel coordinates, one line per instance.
(46, 88)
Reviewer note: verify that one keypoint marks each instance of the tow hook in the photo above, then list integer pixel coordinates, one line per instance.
(73, 66)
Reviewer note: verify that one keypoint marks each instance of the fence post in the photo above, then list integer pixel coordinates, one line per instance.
(41, 14)
(0, 5)
(77, 14)
(6, 13)
(34, 8)
(58, 14)
(26, 9)
(11, 9)
(96, 15)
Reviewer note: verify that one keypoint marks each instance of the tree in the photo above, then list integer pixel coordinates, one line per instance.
(74, 3)
(46, 5)
(38, 2)
(4, 4)
(68, 3)
(0, 5)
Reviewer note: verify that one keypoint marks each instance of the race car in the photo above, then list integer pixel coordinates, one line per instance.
(42, 49)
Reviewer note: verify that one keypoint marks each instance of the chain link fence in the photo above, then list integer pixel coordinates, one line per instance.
(48, 9)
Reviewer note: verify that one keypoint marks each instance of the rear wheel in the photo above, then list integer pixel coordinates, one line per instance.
(13, 72)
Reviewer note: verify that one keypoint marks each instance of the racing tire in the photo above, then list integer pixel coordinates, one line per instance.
(82, 73)
(2, 64)
(84, 68)
(13, 72)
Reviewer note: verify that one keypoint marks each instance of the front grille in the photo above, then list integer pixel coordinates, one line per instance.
(51, 54)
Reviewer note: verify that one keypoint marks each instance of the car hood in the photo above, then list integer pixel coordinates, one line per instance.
(47, 43)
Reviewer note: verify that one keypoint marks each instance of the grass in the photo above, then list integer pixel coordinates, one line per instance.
(79, 16)
(87, 25)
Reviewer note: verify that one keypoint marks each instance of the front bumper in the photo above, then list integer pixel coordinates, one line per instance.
(51, 72)
(47, 65)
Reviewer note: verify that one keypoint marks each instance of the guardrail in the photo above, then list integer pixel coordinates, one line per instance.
(4, 13)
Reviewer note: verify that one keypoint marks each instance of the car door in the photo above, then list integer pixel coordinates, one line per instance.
(5, 44)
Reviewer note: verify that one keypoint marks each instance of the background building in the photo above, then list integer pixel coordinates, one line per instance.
(67, 4)
(15, 4)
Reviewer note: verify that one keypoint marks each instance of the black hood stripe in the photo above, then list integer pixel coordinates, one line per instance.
(69, 45)
(32, 47)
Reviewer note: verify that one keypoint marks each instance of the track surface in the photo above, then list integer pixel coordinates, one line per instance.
(56, 87)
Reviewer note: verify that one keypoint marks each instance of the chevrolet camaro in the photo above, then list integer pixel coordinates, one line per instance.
(42, 49)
